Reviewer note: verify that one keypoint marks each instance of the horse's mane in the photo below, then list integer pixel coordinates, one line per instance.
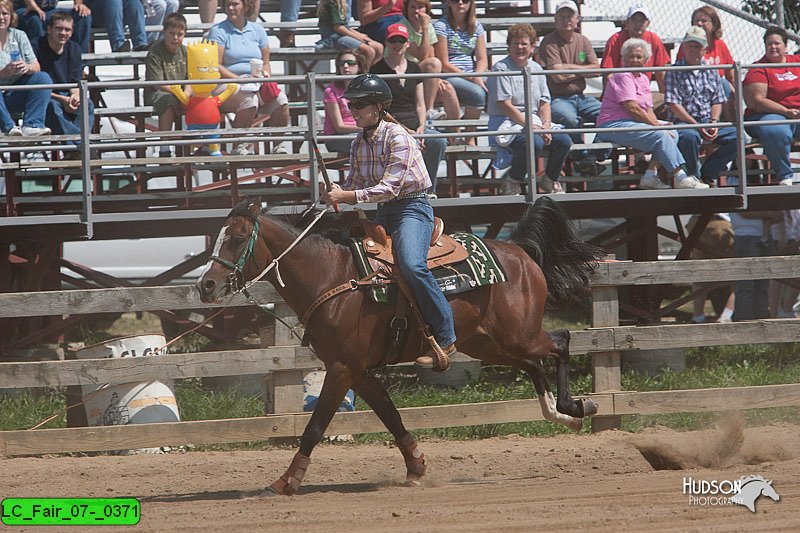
(748, 479)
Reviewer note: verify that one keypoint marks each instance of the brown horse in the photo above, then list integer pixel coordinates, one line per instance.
(500, 324)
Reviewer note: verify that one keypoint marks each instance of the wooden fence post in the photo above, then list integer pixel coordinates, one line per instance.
(605, 365)
(284, 389)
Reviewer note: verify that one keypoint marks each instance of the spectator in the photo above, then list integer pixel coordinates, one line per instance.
(337, 33)
(774, 94)
(408, 101)
(638, 20)
(290, 12)
(208, 10)
(20, 67)
(155, 11)
(716, 242)
(422, 41)
(716, 51)
(166, 60)
(241, 40)
(696, 96)
(376, 16)
(627, 102)
(786, 236)
(34, 15)
(115, 15)
(752, 239)
(566, 49)
(462, 49)
(338, 119)
(60, 57)
(507, 113)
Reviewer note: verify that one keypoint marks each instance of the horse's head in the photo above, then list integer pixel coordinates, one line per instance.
(235, 259)
(769, 491)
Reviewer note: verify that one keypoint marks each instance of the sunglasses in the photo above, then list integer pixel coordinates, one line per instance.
(397, 40)
(343, 62)
(357, 104)
(460, 1)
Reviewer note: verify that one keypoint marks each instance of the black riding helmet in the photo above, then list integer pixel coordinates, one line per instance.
(369, 88)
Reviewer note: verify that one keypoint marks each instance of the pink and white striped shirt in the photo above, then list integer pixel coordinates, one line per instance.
(386, 165)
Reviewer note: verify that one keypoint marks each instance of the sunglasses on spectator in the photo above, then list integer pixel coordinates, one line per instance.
(351, 62)
(357, 104)
(460, 1)
(397, 40)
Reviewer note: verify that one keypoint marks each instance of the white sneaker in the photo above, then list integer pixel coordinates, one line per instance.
(652, 182)
(243, 149)
(690, 182)
(16, 131)
(435, 114)
(281, 148)
(788, 182)
(28, 131)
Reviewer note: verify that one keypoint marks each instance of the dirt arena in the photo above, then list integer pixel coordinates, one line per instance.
(590, 482)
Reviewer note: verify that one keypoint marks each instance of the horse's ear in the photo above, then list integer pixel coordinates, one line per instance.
(255, 209)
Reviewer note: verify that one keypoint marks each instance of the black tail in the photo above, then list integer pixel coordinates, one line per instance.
(548, 235)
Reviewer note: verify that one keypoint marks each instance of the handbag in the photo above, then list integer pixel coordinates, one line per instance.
(269, 91)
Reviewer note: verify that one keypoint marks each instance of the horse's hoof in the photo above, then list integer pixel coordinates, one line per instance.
(412, 482)
(281, 488)
(268, 492)
(589, 407)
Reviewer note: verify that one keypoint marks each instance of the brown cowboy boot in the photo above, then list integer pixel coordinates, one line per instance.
(439, 359)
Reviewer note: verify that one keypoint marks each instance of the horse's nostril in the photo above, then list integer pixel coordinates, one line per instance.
(209, 285)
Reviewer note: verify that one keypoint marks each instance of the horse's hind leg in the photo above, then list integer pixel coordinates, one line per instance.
(337, 382)
(372, 391)
(565, 403)
(535, 369)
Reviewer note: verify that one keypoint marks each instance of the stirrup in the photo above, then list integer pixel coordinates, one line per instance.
(436, 357)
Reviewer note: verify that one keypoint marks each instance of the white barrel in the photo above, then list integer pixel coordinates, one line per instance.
(129, 403)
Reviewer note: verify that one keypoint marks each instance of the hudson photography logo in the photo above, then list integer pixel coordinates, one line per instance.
(743, 491)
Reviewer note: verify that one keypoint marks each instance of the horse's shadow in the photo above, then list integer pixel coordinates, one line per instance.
(222, 495)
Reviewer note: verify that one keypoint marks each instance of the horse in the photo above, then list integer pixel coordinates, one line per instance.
(752, 488)
(544, 260)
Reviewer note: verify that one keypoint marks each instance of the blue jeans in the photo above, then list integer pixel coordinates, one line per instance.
(410, 224)
(64, 123)
(290, 10)
(776, 140)
(115, 14)
(689, 142)
(31, 102)
(469, 94)
(660, 143)
(558, 151)
(377, 30)
(571, 112)
(433, 155)
(155, 13)
(752, 296)
(35, 27)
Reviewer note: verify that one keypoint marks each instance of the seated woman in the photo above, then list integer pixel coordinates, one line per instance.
(20, 67)
(462, 48)
(507, 112)
(422, 40)
(627, 103)
(338, 119)
(241, 40)
(408, 103)
(376, 16)
(774, 94)
(334, 27)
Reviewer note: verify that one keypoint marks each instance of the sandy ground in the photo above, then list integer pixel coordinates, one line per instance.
(590, 482)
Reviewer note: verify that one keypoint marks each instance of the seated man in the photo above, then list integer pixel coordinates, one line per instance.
(693, 97)
(566, 49)
(33, 16)
(154, 13)
(60, 57)
(166, 60)
(115, 15)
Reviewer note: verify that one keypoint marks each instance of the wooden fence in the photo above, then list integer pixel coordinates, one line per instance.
(287, 362)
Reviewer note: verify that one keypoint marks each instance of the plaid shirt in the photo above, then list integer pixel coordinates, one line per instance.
(386, 165)
(695, 90)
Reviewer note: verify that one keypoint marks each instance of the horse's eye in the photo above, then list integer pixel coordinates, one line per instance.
(237, 240)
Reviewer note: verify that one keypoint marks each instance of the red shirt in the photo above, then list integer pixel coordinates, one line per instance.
(783, 83)
(203, 110)
(612, 55)
(396, 9)
(718, 54)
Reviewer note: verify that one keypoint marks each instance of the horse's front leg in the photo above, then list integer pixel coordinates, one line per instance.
(372, 391)
(547, 401)
(337, 382)
(565, 404)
